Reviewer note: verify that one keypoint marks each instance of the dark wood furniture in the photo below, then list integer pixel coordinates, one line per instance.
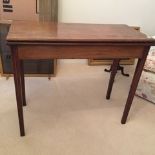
(31, 67)
(119, 67)
(36, 40)
(129, 61)
(110, 61)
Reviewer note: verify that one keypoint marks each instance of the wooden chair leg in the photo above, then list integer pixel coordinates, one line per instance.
(112, 77)
(22, 80)
(16, 66)
(135, 81)
(121, 68)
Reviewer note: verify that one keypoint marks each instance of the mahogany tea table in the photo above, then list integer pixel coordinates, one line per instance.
(48, 40)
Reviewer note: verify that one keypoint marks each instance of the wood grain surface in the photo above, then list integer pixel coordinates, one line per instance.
(38, 40)
(61, 32)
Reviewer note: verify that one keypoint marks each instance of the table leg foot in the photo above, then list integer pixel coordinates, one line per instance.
(123, 121)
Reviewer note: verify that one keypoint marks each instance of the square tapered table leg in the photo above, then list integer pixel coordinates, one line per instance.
(17, 79)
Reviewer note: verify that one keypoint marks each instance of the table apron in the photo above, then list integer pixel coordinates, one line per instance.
(79, 52)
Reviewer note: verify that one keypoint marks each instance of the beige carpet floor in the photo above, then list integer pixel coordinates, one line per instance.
(69, 115)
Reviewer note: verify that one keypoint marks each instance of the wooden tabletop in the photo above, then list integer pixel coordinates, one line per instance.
(73, 32)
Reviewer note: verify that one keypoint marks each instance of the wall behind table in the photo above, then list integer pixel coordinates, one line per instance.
(132, 12)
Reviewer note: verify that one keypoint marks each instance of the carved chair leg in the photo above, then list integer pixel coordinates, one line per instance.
(118, 68)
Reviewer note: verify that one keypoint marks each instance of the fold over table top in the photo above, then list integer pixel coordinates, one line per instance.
(33, 31)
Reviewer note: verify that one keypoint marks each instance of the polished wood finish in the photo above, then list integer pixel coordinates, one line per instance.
(22, 82)
(75, 51)
(112, 77)
(58, 40)
(113, 72)
(119, 68)
(61, 32)
(18, 88)
(110, 61)
(135, 81)
(30, 66)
